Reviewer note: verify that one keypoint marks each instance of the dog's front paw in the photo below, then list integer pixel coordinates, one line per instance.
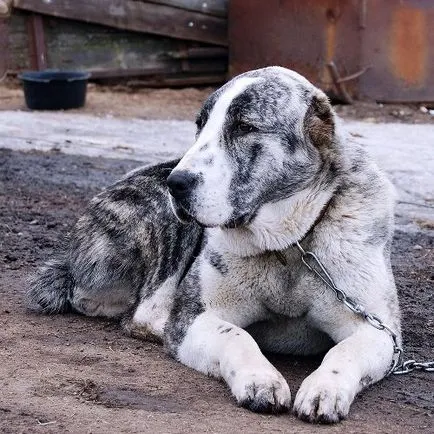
(323, 399)
(264, 391)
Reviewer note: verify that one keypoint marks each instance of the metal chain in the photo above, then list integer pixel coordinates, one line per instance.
(412, 365)
(398, 366)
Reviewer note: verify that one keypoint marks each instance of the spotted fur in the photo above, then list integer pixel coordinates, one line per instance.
(269, 167)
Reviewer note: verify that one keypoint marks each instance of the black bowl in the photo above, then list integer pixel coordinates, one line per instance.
(52, 90)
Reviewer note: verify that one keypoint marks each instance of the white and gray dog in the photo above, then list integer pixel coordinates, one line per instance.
(202, 253)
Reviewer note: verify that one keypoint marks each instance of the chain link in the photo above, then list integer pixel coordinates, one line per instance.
(398, 367)
(412, 365)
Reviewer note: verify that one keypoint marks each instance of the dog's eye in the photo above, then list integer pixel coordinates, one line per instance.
(244, 128)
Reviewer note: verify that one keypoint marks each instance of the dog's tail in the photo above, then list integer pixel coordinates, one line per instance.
(50, 289)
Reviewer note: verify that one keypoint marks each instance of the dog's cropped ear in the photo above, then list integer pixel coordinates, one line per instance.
(319, 122)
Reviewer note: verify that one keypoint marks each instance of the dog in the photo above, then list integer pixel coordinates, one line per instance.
(203, 253)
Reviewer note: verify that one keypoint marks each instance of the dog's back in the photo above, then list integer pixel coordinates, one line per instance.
(128, 239)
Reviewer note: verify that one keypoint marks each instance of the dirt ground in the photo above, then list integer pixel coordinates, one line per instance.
(80, 375)
(183, 104)
(122, 101)
(75, 374)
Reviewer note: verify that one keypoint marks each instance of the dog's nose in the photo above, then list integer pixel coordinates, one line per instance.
(181, 183)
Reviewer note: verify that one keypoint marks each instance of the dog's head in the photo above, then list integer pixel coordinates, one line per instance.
(260, 138)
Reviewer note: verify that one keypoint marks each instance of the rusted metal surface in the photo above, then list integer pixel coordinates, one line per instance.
(380, 50)
(37, 46)
(139, 16)
(304, 36)
(399, 44)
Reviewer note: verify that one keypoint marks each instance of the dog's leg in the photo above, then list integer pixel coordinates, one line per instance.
(354, 363)
(150, 316)
(223, 350)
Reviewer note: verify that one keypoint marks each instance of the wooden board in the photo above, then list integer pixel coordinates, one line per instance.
(109, 52)
(137, 16)
(218, 8)
(78, 45)
(4, 47)
(18, 42)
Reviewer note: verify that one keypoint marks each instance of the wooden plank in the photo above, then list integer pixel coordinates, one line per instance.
(137, 16)
(4, 48)
(218, 8)
(37, 42)
(79, 45)
(112, 52)
(177, 81)
(109, 52)
(18, 42)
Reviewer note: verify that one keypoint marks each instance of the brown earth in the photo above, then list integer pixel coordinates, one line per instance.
(81, 375)
(145, 103)
(122, 101)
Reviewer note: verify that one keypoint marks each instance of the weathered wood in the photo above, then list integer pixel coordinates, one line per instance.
(5, 8)
(177, 81)
(4, 47)
(112, 53)
(37, 47)
(200, 53)
(18, 42)
(218, 8)
(137, 16)
(80, 45)
(91, 47)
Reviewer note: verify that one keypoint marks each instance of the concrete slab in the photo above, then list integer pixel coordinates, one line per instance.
(404, 151)
(94, 136)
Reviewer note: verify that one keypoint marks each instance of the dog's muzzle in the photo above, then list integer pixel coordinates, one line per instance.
(181, 184)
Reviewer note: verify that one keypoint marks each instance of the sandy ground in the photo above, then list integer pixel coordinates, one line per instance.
(123, 102)
(81, 375)
(183, 104)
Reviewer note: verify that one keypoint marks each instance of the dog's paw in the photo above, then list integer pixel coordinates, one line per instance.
(263, 391)
(323, 399)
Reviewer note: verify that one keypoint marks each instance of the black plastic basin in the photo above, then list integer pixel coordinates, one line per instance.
(52, 90)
